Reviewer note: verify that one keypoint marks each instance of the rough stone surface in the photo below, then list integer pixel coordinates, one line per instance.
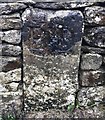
(52, 32)
(7, 8)
(10, 104)
(11, 36)
(92, 94)
(10, 22)
(50, 114)
(91, 61)
(33, 1)
(40, 66)
(9, 81)
(10, 63)
(89, 113)
(90, 103)
(11, 50)
(87, 49)
(94, 15)
(104, 60)
(95, 36)
(92, 78)
(10, 93)
(51, 58)
(54, 78)
(61, 5)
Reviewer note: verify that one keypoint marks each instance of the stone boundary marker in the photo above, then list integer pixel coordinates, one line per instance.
(52, 59)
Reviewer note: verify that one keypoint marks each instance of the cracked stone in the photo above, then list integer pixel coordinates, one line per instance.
(10, 63)
(95, 36)
(51, 54)
(12, 21)
(10, 50)
(91, 61)
(11, 36)
(92, 78)
(7, 8)
(95, 15)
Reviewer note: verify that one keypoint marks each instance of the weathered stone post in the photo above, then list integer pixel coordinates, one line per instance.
(52, 45)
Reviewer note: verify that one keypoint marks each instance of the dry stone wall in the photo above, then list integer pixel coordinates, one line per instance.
(52, 59)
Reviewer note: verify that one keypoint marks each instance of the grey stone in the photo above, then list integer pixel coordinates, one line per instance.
(50, 114)
(54, 32)
(87, 49)
(95, 94)
(89, 103)
(55, 81)
(91, 61)
(11, 36)
(51, 54)
(11, 50)
(11, 104)
(90, 113)
(95, 36)
(7, 8)
(9, 81)
(10, 63)
(94, 15)
(10, 76)
(10, 22)
(104, 60)
(61, 5)
(92, 78)
(10, 92)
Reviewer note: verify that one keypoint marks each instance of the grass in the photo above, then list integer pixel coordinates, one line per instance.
(8, 117)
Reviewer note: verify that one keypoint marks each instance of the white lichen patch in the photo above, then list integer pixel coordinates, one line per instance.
(91, 96)
(10, 80)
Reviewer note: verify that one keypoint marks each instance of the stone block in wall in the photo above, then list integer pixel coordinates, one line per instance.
(94, 15)
(104, 60)
(61, 5)
(11, 50)
(92, 78)
(91, 61)
(11, 93)
(8, 8)
(11, 105)
(95, 36)
(93, 50)
(10, 81)
(12, 21)
(90, 103)
(10, 63)
(11, 36)
(0, 55)
(51, 51)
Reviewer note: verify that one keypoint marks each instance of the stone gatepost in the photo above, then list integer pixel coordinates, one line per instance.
(51, 53)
